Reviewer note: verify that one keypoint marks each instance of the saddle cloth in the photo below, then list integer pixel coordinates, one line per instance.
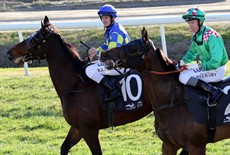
(131, 88)
(198, 104)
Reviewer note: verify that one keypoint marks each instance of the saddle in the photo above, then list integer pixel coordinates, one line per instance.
(208, 114)
(130, 85)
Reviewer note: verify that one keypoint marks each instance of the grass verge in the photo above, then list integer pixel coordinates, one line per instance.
(32, 122)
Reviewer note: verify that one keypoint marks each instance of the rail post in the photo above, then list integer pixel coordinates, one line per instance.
(27, 73)
(163, 40)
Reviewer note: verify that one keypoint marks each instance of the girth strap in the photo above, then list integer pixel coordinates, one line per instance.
(212, 112)
(110, 113)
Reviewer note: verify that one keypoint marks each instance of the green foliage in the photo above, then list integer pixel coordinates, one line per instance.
(178, 39)
(4, 7)
(32, 122)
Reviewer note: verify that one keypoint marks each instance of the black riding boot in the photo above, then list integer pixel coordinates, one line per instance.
(214, 91)
(110, 86)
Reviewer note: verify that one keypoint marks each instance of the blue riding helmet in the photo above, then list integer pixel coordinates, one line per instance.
(107, 10)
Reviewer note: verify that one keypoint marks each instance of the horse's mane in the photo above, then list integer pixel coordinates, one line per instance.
(168, 63)
(72, 49)
(77, 64)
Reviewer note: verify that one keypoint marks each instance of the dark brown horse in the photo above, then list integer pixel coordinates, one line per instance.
(174, 123)
(84, 114)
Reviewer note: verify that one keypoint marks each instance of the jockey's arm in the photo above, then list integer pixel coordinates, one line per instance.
(191, 54)
(115, 40)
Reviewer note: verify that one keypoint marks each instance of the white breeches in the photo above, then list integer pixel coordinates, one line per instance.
(207, 76)
(97, 71)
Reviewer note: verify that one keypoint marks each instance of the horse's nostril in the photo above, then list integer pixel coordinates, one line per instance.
(10, 56)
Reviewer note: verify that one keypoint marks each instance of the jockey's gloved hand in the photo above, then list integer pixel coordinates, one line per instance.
(193, 66)
(180, 64)
(92, 52)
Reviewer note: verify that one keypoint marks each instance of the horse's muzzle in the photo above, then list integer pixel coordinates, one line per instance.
(10, 57)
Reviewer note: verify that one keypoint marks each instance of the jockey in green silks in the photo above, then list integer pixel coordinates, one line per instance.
(209, 46)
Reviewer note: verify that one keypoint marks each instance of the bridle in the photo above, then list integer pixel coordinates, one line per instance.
(37, 39)
(135, 53)
(136, 57)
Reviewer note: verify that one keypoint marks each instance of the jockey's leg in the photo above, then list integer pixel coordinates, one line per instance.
(110, 86)
(200, 78)
(214, 91)
(96, 72)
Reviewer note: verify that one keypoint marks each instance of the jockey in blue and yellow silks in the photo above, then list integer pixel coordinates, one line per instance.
(115, 36)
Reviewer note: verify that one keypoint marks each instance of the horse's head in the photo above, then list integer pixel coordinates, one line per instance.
(33, 47)
(129, 55)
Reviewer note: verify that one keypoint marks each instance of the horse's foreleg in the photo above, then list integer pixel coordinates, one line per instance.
(72, 138)
(91, 138)
(184, 152)
(195, 151)
(169, 149)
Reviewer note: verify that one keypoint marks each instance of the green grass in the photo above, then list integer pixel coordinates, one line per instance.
(32, 122)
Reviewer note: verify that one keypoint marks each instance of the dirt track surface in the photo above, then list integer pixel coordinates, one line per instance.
(89, 14)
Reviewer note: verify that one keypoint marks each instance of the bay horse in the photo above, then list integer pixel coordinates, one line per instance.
(83, 114)
(174, 123)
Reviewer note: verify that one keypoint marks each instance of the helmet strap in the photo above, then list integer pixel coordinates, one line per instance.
(199, 25)
(199, 43)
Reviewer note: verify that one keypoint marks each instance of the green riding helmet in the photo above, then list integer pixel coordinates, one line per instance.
(194, 13)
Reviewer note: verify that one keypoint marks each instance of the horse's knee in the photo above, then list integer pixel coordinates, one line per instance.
(169, 149)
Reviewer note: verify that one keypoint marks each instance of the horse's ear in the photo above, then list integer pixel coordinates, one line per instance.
(144, 35)
(46, 20)
(42, 25)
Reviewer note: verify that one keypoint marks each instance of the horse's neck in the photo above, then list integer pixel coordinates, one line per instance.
(62, 69)
(152, 62)
(161, 88)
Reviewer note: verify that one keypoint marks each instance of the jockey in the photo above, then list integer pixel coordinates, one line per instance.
(209, 45)
(115, 36)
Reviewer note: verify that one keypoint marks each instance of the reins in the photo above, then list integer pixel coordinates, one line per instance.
(143, 53)
(169, 72)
